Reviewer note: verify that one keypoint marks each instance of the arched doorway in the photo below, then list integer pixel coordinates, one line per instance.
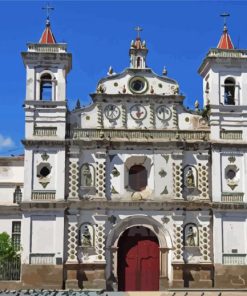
(138, 260)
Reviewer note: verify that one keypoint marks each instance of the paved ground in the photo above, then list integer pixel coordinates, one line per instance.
(101, 293)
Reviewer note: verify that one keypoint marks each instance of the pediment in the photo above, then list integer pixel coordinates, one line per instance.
(139, 82)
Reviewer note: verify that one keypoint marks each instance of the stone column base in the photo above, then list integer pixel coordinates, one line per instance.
(193, 276)
(85, 276)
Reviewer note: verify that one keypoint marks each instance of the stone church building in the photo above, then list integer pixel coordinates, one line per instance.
(133, 192)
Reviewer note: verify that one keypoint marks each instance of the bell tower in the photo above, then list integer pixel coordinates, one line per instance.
(47, 65)
(138, 52)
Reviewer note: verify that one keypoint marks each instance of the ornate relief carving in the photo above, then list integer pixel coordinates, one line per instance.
(191, 236)
(203, 170)
(73, 178)
(100, 173)
(113, 190)
(115, 172)
(45, 156)
(157, 135)
(44, 173)
(178, 242)
(87, 175)
(204, 242)
(99, 116)
(232, 176)
(165, 191)
(162, 173)
(72, 238)
(177, 180)
(87, 236)
(152, 115)
(164, 114)
(124, 116)
(166, 157)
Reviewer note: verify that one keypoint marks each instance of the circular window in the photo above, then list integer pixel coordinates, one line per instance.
(138, 85)
(231, 174)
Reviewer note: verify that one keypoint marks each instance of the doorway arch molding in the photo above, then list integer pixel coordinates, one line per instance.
(162, 234)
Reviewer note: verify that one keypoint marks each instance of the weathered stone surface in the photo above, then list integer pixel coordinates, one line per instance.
(230, 276)
(85, 276)
(42, 276)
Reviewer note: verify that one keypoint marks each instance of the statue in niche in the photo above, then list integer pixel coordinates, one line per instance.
(190, 237)
(86, 240)
(190, 179)
(86, 176)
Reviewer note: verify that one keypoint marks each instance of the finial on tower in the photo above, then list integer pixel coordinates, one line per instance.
(225, 40)
(138, 29)
(48, 8)
(47, 36)
(225, 15)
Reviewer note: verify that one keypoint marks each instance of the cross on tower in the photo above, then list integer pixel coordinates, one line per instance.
(48, 8)
(225, 15)
(138, 29)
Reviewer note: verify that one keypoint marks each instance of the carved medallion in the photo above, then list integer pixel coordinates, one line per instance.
(163, 113)
(138, 112)
(112, 112)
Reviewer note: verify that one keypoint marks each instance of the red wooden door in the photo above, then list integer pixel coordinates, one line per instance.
(138, 263)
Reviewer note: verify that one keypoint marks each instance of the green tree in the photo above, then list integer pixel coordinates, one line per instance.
(7, 250)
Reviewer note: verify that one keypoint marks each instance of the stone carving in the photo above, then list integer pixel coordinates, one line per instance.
(112, 219)
(191, 188)
(101, 89)
(232, 159)
(165, 220)
(190, 179)
(86, 239)
(129, 134)
(177, 178)
(175, 89)
(45, 156)
(162, 173)
(190, 238)
(190, 235)
(232, 176)
(166, 157)
(87, 235)
(73, 179)
(100, 116)
(44, 173)
(165, 191)
(113, 190)
(86, 175)
(115, 172)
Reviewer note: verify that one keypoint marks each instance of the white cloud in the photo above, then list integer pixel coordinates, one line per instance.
(6, 142)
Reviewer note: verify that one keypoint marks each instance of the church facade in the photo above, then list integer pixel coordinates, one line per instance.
(133, 192)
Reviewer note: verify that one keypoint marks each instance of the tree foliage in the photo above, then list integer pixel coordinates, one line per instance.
(7, 249)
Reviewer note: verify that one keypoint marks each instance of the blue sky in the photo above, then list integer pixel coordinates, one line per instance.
(98, 33)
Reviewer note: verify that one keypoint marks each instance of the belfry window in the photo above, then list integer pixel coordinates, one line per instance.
(46, 87)
(137, 177)
(138, 62)
(229, 91)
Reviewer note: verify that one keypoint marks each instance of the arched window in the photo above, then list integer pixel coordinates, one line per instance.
(138, 62)
(207, 88)
(229, 91)
(46, 87)
(137, 177)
